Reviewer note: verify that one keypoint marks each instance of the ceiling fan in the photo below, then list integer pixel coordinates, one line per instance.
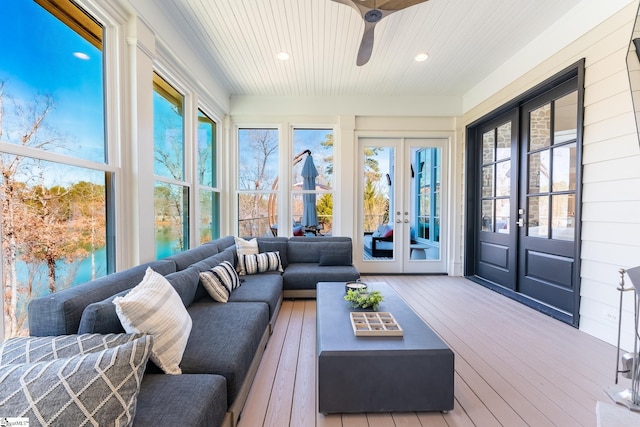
(372, 12)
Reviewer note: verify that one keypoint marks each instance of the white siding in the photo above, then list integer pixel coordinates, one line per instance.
(611, 167)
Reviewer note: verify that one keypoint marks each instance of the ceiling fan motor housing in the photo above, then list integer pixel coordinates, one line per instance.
(374, 15)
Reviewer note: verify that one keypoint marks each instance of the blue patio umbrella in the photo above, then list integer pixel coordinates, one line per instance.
(309, 174)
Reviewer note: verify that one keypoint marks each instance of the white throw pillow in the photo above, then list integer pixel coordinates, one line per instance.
(154, 307)
(220, 281)
(245, 247)
(259, 263)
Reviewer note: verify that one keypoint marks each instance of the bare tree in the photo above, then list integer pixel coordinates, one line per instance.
(33, 219)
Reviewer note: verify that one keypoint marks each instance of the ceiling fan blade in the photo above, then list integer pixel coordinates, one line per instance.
(366, 45)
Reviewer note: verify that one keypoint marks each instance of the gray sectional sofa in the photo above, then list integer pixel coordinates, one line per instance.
(227, 340)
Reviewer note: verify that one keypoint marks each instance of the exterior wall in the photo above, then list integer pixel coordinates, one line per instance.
(611, 167)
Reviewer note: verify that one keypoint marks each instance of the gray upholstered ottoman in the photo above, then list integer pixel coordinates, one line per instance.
(413, 372)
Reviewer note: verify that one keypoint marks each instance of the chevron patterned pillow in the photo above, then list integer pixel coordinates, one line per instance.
(98, 388)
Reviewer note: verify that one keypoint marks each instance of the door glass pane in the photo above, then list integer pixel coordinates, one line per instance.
(487, 215)
(425, 196)
(503, 178)
(565, 118)
(564, 168)
(539, 172)
(487, 181)
(377, 215)
(503, 208)
(563, 222)
(538, 217)
(488, 147)
(504, 142)
(540, 128)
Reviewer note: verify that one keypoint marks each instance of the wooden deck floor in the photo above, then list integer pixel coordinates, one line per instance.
(514, 366)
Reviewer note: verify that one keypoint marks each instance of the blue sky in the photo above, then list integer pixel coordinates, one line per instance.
(38, 58)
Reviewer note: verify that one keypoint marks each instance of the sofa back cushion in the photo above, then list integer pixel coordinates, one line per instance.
(60, 313)
(217, 259)
(101, 317)
(275, 244)
(311, 249)
(186, 258)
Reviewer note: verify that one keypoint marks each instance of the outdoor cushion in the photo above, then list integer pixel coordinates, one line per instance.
(220, 281)
(154, 307)
(59, 313)
(97, 388)
(40, 349)
(262, 262)
(245, 247)
(265, 287)
(224, 339)
(306, 275)
(275, 244)
(181, 400)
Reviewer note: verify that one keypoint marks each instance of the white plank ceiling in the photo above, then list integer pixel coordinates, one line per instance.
(465, 39)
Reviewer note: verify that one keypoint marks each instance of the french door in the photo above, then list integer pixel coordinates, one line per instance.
(402, 203)
(525, 201)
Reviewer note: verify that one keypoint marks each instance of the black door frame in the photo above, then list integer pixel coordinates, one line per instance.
(472, 199)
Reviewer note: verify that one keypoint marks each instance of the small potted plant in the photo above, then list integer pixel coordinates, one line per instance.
(364, 299)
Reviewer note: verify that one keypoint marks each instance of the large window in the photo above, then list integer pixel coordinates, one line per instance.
(171, 189)
(55, 190)
(312, 186)
(257, 182)
(209, 195)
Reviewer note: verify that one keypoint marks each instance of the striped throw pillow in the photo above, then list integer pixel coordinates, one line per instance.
(220, 281)
(154, 307)
(259, 263)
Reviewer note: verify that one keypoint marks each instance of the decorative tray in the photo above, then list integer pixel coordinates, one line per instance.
(375, 324)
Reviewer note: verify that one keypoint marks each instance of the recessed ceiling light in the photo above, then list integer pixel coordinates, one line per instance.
(283, 56)
(81, 55)
(421, 57)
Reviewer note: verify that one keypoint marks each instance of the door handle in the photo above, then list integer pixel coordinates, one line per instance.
(406, 221)
(520, 222)
(398, 221)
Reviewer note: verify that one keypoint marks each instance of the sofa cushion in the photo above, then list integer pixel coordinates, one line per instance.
(186, 258)
(220, 281)
(245, 247)
(96, 388)
(101, 317)
(212, 261)
(309, 249)
(40, 349)
(262, 262)
(181, 400)
(185, 283)
(224, 339)
(340, 256)
(306, 275)
(59, 313)
(275, 244)
(225, 242)
(265, 287)
(154, 307)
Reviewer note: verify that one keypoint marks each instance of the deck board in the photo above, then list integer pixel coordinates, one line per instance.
(514, 365)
